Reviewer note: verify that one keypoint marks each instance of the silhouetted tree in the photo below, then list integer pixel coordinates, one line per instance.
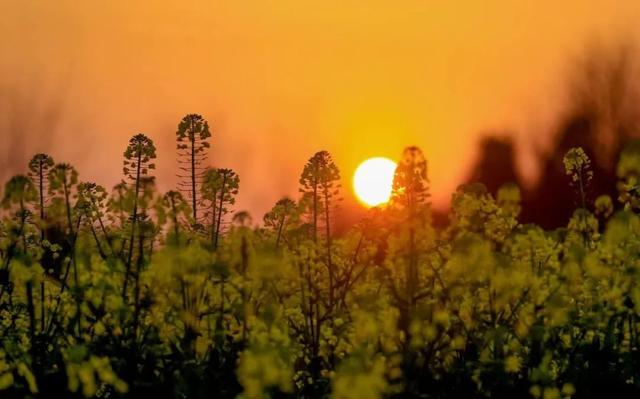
(603, 113)
(495, 164)
(604, 89)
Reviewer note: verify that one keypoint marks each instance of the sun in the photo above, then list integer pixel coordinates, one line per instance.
(373, 180)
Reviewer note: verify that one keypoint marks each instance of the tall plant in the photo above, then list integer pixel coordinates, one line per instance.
(219, 189)
(192, 143)
(138, 158)
(39, 167)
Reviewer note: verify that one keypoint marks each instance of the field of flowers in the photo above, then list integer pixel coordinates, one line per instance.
(131, 292)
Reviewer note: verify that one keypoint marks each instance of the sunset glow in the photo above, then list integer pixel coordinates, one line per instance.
(372, 181)
(308, 74)
(319, 199)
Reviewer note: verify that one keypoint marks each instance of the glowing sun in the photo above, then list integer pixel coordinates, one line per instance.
(373, 180)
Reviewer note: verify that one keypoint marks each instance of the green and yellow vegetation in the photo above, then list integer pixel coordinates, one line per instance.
(136, 293)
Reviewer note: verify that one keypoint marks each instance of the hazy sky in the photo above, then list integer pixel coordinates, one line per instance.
(279, 80)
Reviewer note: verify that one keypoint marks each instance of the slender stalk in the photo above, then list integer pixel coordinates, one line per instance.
(328, 244)
(280, 228)
(192, 137)
(224, 182)
(134, 220)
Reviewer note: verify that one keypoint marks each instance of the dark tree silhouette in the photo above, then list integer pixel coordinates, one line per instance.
(604, 90)
(495, 164)
(550, 203)
(602, 114)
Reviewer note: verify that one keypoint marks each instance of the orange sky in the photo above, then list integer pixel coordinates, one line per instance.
(279, 80)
